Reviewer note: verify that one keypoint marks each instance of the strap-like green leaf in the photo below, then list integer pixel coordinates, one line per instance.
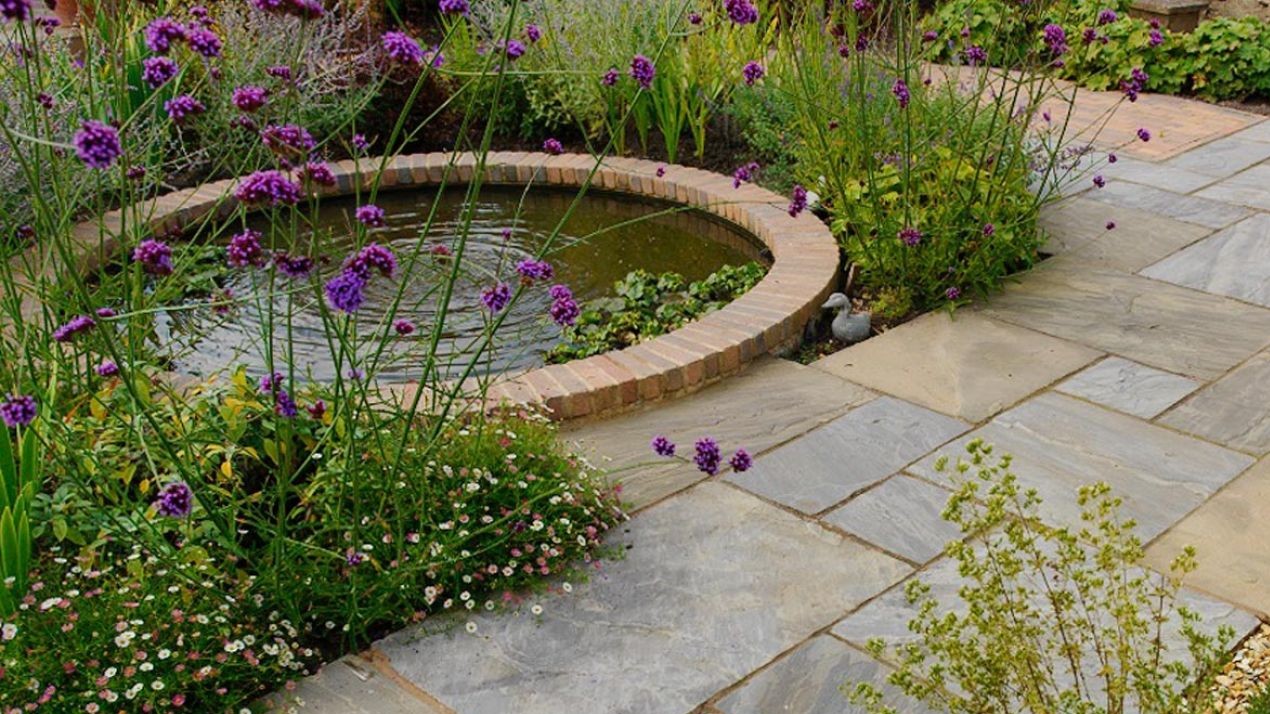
(29, 462)
(10, 564)
(8, 473)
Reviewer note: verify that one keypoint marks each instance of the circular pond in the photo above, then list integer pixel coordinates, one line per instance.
(606, 237)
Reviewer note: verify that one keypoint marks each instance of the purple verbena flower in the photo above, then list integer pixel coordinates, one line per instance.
(203, 41)
(454, 7)
(370, 215)
(249, 98)
(155, 256)
(553, 146)
(403, 327)
(1106, 17)
(989, 230)
(371, 258)
(496, 297)
(284, 405)
(976, 55)
(694, 18)
(707, 455)
(74, 326)
(106, 313)
(401, 48)
(161, 33)
(643, 71)
(1111, 225)
(183, 106)
(1155, 38)
(752, 72)
(279, 71)
(610, 77)
(288, 140)
(534, 270)
(176, 500)
(1099, 181)
(156, 71)
(346, 291)
(319, 173)
(271, 383)
(270, 188)
(293, 266)
(1056, 38)
(18, 410)
(97, 144)
(1144, 135)
(741, 12)
(901, 92)
(741, 461)
(533, 33)
(663, 446)
(953, 293)
(910, 236)
(244, 249)
(744, 174)
(360, 143)
(15, 10)
(661, 171)
(564, 309)
(798, 201)
(107, 368)
(317, 409)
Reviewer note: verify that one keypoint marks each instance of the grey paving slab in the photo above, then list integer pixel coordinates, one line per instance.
(1078, 226)
(1235, 410)
(812, 680)
(964, 365)
(1223, 157)
(1256, 132)
(769, 403)
(1233, 262)
(1060, 444)
(1129, 387)
(1155, 323)
(715, 584)
(887, 617)
(1229, 534)
(848, 454)
(1164, 176)
(1190, 209)
(902, 515)
(1249, 188)
(351, 685)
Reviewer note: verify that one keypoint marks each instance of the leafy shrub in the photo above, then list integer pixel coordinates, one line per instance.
(1260, 704)
(1049, 618)
(648, 305)
(765, 119)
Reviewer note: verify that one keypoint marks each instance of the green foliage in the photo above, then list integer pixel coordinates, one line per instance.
(1049, 619)
(648, 305)
(1260, 704)
(765, 119)
(1225, 58)
(19, 481)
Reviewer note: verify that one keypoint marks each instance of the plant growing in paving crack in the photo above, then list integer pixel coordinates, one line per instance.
(1048, 619)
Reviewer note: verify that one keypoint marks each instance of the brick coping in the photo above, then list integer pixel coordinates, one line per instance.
(768, 318)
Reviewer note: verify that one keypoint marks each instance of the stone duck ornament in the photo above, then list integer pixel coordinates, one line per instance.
(848, 327)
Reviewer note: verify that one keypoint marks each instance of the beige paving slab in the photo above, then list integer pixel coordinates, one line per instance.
(1165, 326)
(352, 685)
(1234, 410)
(964, 365)
(1078, 226)
(769, 403)
(1231, 533)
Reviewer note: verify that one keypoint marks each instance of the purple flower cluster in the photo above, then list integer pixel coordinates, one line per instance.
(279, 71)
(403, 327)
(183, 106)
(663, 446)
(346, 291)
(97, 144)
(533, 33)
(1106, 17)
(454, 7)
(319, 173)
(741, 461)
(371, 216)
(531, 271)
(74, 326)
(744, 174)
(176, 500)
(514, 49)
(161, 33)
(741, 12)
(643, 71)
(307, 9)
(203, 41)
(910, 236)
(1144, 135)
(18, 410)
(156, 71)
(1135, 84)
(1056, 39)
(249, 98)
(564, 309)
(707, 456)
(288, 140)
(1155, 38)
(496, 297)
(976, 55)
(373, 257)
(610, 77)
(401, 48)
(15, 10)
(244, 249)
(798, 201)
(155, 256)
(953, 293)
(901, 92)
(752, 72)
(107, 368)
(293, 266)
(553, 146)
(270, 188)
(1099, 181)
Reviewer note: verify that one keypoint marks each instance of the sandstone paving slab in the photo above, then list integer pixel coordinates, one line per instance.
(901, 515)
(1257, 132)
(1078, 226)
(964, 365)
(1060, 444)
(1233, 262)
(1191, 209)
(1222, 157)
(1235, 410)
(1156, 175)
(1230, 534)
(769, 403)
(715, 583)
(1129, 387)
(848, 454)
(351, 685)
(1165, 326)
(1249, 188)
(887, 617)
(812, 679)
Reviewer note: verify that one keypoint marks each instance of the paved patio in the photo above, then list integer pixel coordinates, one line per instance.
(1139, 356)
